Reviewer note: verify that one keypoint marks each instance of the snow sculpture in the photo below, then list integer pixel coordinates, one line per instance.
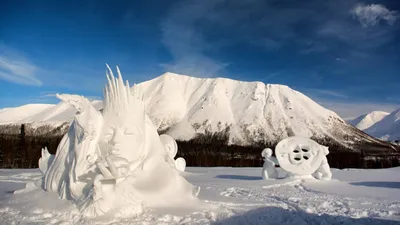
(45, 161)
(324, 171)
(172, 149)
(115, 160)
(269, 170)
(180, 164)
(302, 156)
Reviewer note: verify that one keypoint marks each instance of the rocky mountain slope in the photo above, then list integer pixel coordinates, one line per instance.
(248, 112)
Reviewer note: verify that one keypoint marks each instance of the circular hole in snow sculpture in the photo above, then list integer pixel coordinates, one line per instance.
(297, 163)
(296, 151)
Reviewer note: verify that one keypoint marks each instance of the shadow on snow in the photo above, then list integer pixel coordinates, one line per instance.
(280, 216)
(383, 184)
(239, 177)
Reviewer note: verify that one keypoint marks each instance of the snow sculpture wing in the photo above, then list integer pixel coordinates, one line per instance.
(87, 125)
(299, 155)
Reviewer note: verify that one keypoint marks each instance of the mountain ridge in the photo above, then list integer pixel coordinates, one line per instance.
(365, 121)
(252, 112)
(388, 128)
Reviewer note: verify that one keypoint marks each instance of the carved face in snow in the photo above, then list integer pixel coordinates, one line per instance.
(122, 136)
(300, 156)
(124, 121)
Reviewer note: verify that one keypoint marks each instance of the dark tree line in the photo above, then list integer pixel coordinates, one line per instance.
(21, 148)
(213, 150)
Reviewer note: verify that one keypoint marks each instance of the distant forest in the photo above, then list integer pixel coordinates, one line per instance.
(20, 147)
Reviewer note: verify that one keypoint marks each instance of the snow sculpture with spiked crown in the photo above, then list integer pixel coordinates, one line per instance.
(115, 159)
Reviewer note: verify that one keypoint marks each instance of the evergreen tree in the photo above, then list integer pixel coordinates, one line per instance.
(19, 158)
(1, 153)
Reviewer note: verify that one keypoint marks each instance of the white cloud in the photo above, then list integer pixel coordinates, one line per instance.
(15, 68)
(370, 15)
(328, 92)
(52, 95)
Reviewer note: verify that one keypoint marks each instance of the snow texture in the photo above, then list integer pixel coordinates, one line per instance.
(236, 196)
(115, 160)
(301, 156)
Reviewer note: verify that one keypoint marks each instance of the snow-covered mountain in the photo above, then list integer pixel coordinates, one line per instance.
(388, 128)
(12, 115)
(365, 121)
(254, 111)
(250, 112)
(50, 114)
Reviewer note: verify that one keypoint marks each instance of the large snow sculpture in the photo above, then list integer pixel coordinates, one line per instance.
(302, 156)
(171, 147)
(115, 160)
(269, 170)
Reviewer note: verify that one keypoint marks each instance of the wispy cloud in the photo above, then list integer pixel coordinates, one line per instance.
(325, 92)
(192, 29)
(370, 15)
(51, 94)
(16, 68)
(186, 43)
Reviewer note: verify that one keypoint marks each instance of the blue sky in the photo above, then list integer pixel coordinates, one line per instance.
(342, 53)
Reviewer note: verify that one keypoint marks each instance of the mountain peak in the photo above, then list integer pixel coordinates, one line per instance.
(251, 112)
(388, 128)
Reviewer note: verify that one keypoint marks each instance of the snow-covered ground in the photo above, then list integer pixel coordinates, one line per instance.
(235, 196)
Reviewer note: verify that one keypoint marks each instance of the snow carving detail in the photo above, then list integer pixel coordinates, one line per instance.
(171, 147)
(302, 156)
(269, 170)
(115, 159)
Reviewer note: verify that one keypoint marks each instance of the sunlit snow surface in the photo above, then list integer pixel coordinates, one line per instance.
(241, 196)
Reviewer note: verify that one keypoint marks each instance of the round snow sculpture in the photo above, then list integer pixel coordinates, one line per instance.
(180, 164)
(172, 149)
(299, 155)
(169, 144)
